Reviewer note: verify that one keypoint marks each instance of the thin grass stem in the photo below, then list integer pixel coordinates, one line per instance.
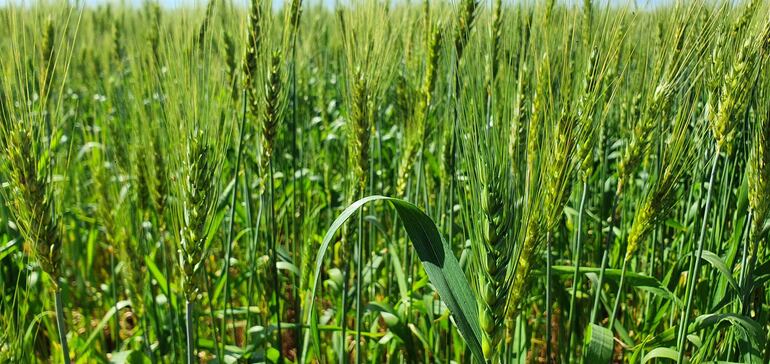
(274, 261)
(61, 326)
(576, 275)
(681, 340)
(605, 258)
(188, 317)
(548, 308)
(231, 223)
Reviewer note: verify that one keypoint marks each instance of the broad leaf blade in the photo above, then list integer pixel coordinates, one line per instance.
(444, 272)
(599, 344)
(438, 261)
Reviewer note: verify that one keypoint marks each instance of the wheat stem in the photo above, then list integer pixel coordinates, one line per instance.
(343, 358)
(146, 339)
(252, 250)
(619, 294)
(576, 275)
(745, 261)
(209, 297)
(116, 332)
(548, 308)
(605, 257)
(274, 260)
(693, 274)
(298, 222)
(189, 306)
(359, 273)
(61, 325)
(229, 238)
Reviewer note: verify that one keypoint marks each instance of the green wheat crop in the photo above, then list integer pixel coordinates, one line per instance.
(569, 181)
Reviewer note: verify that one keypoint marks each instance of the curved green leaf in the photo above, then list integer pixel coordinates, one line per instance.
(662, 353)
(745, 324)
(633, 279)
(437, 259)
(720, 265)
(599, 344)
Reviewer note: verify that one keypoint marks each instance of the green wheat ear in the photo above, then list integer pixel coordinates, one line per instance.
(417, 120)
(232, 64)
(678, 157)
(31, 196)
(734, 96)
(203, 31)
(360, 129)
(291, 22)
(251, 58)
(200, 197)
(758, 170)
(639, 145)
(48, 52)
(465, 20)
(273, 106)
(493, 256)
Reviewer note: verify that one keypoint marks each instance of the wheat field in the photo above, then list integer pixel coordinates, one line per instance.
(385, 182)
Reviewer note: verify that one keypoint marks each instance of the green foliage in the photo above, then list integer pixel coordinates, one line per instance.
(585, 182)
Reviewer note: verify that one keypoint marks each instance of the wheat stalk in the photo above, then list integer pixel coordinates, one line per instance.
(491, 199)
(732, 103)
(678, 158)
(758, 175)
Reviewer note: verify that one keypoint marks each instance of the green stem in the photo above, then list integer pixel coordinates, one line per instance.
(343, 358)
(743, 279)
(576, 275)
(548, 308)
(620, 292)
(359, 264)
(453, 156)
(749, 272)
(146, 339)
(274, 263)
(694, 273)
(229, 240)
(605, 257)
(189, 331)
(171, 310)
(252, 250)
(115, 332)
(297, 154)
(60, 324)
